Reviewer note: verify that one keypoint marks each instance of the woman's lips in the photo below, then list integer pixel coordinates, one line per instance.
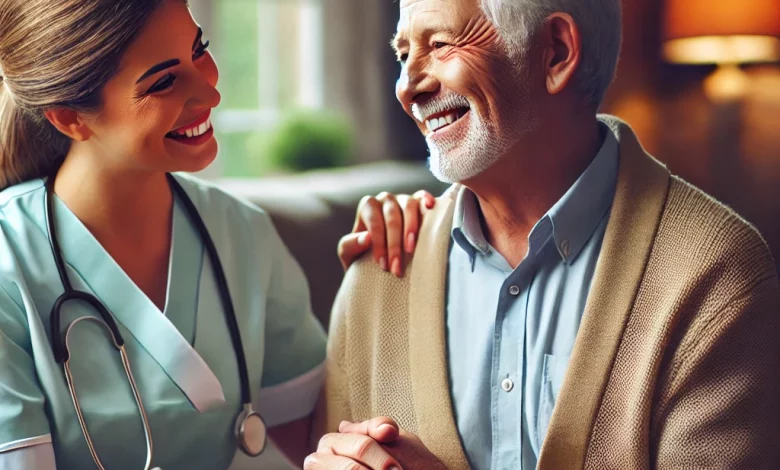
(194, 124)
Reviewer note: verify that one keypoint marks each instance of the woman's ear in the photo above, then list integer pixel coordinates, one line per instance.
(69, 122)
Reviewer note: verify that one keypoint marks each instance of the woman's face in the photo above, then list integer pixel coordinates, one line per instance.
(156, 113)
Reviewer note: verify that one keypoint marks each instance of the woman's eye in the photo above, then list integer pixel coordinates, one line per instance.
(201, 50)
(162, 84)
(403, 58)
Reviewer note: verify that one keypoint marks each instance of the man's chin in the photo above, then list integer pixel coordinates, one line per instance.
(452, 169)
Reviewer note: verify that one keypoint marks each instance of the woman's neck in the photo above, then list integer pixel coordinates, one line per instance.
(134, 208)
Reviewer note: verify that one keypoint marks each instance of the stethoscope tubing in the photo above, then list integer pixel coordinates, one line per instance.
(62, 356)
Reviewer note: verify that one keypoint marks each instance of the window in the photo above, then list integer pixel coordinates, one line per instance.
(270, 58)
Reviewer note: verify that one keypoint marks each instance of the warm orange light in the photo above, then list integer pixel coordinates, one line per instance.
(727, 83)
(722, 31)
(691, 18)
(722, 49)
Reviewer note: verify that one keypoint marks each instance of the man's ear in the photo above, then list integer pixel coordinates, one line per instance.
(69, 122)
(562, 51)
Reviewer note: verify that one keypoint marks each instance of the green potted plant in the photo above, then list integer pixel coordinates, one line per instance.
(304, 140)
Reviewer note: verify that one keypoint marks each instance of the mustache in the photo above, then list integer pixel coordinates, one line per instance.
(449, 101)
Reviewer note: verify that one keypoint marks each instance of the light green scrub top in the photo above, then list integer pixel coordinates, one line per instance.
(182, 358)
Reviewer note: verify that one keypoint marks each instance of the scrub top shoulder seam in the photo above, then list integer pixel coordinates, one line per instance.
(6, 199)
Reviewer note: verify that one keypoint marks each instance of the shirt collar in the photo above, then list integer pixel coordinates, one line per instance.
(570, 222)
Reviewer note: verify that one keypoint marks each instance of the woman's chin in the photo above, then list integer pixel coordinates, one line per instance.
(193, 159)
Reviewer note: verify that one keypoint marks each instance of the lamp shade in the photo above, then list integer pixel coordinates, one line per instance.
(722, 31)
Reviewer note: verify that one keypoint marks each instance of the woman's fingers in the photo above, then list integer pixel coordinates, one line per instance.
(394, 229)
(372, 218)
(352, 246)
(427, 200)
(410, 208)
(393, 226)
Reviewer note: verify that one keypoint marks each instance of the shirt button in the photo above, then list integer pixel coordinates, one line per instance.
(514, 290)
(507, 385)
(565, 248)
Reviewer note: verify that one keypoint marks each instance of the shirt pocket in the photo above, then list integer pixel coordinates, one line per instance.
(553, 372)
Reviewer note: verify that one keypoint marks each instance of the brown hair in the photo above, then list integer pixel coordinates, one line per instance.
(56, 53)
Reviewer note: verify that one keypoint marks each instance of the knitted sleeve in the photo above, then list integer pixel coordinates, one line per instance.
(719, 406)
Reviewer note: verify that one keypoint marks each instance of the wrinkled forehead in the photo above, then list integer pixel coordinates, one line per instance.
(438, 11)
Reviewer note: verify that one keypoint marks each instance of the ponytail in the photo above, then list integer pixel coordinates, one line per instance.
(30, 147)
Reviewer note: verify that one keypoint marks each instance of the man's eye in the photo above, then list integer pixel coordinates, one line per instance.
(439, 45)
(201, 50)
(162, 84)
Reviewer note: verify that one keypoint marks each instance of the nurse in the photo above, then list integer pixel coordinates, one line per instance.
(190, 313)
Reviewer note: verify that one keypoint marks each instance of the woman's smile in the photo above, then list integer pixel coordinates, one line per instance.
(197, 132)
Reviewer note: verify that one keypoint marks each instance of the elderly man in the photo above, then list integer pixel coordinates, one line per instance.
(570, 303)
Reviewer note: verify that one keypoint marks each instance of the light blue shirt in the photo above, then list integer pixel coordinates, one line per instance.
(511, 332)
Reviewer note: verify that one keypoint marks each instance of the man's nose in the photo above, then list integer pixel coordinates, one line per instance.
(415, 80)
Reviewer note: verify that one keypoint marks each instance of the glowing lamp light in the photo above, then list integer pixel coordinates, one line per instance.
(722, 32)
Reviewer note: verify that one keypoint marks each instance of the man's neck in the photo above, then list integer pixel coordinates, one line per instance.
(116, 206)
(524, 185)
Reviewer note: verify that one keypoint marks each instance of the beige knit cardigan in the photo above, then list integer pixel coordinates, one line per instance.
(676, 363)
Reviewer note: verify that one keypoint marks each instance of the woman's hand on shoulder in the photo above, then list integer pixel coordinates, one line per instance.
(388, 225)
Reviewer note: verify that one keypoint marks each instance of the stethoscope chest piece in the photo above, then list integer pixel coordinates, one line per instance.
(251, 432)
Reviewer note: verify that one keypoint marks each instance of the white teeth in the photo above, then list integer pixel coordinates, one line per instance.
(195, 131)
(437, 123)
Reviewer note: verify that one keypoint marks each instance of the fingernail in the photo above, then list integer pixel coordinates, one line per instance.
(383, 263)
(411, 239)
(363, 239)
(387, 427)
(396, 267)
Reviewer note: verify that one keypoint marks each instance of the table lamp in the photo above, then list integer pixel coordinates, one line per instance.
(722, 32)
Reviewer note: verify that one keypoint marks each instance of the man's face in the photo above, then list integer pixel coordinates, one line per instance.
(470, 99)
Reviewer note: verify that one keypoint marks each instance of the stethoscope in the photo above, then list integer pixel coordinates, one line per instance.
(250, 428)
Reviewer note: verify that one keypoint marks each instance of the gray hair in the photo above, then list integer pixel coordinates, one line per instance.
(517, 21)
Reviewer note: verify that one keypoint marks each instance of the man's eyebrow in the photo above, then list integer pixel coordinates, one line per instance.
(397, 41)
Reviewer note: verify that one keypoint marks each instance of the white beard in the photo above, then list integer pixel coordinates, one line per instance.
(464, 155)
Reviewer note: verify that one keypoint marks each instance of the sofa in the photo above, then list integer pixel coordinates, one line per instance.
(313, 210)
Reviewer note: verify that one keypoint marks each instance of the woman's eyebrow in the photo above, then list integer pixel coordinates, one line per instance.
(158, 68)
(169, 63)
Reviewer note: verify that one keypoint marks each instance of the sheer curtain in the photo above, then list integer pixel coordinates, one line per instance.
(360, 74)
